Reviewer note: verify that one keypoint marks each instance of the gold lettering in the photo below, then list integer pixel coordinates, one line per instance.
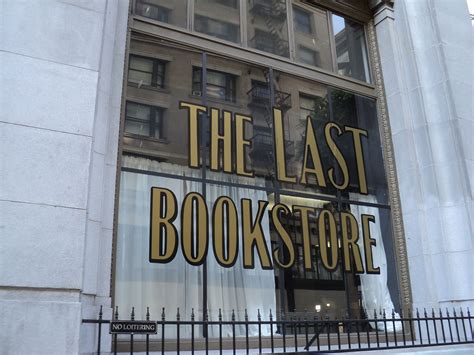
(338, 155)
(368, 244)
(194, 202)
(163, 234)
(232, 245)
(349, 242)
(277, 211)
(252, 235)
(241, 143)
(304, 218)
(225, 138)
(324, 244)
(280, 147)
(311, 150)
(356, 137)
(193, 129)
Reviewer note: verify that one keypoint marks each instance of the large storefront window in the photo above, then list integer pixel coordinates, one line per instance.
(243, 187)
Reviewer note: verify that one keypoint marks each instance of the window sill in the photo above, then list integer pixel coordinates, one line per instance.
(151, 139)
(217, 101)
(148, 87)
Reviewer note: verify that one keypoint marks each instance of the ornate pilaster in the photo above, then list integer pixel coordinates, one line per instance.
(388, 152)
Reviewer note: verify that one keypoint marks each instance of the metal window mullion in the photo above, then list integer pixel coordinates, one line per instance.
(332, 41)
(243, 23)
(291, 30)
(190, 15)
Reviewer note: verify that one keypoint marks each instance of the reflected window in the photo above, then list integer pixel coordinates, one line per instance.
(168, 11)
(302, 20)
(216, 28)
(143, 120)
(219, 85)
(312, 39)
(351, 51)
(313, 106)
(150, 10)
(146, 71)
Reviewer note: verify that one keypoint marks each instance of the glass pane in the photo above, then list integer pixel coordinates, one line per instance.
(170, 11)
(218, 18)
(312, 37)
(139, 77)
(267, 28)
(350, 48)
(216, 78)
(140, 128)
(170, 138)
(357, 113)
(142, 64)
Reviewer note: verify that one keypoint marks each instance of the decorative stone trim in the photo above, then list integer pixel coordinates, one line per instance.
(388, 153)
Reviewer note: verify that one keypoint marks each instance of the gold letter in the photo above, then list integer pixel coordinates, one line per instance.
(231, 231)
(193, 140)
(241, 143)
(324, 244)
(338, 155)
(283, 234)
(280, 147)
(311, 147)
(349, 243)
(304, 211)
(191, 235)
(226, 139)
(252, 235)
(356, 133)
(163, 234)
(368, 243)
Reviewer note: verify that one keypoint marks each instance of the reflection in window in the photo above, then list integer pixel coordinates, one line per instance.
(219, 85)
(169, 11)
(218, 18)
(350, 48)
(216, 28)
(312, 37)
(313, 106)
(146, 71)
(267, 26)
(143, 120)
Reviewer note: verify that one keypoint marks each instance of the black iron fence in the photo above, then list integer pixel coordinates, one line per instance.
(314, 333)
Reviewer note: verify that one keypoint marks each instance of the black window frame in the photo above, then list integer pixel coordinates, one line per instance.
(157, 78)
(155, 122)
(229, 88)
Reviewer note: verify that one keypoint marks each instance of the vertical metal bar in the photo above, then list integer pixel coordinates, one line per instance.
(470, 324)
(339, 336)
(206, 325)
(132, 317)
(259, 318)
(348, 330)
(100, 330)
(233, 332)
(147, 336)
(305, 319)
(163, 331)
(419, 325)
(271, 331)
(449, 325)
(358, 332)
(295, 333)
(394, 327)
(456, 323)
(376, 329)
(427, 325)
(403, 327)
(116, 316)
(367, 326)
(412, 334)
(384, 315)
(283, 323)
(434, 325)
(442, 325)
(178, 340)
(463, 325)
(193, 317)
(246, 330)
(328, 327)
(220, 331)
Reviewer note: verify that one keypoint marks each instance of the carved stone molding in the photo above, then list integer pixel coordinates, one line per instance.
(388, 153)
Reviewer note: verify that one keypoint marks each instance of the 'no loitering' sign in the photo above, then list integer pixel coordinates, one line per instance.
(133, 327)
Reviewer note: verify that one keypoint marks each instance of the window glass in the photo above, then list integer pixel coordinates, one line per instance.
(351, 50)
(311, 32)
(173, 12)
(267, 28)
(146, 71)
(219, 85)
(218, 18)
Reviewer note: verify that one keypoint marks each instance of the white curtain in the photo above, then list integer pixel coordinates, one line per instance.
(176, 284)
(375, 292)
